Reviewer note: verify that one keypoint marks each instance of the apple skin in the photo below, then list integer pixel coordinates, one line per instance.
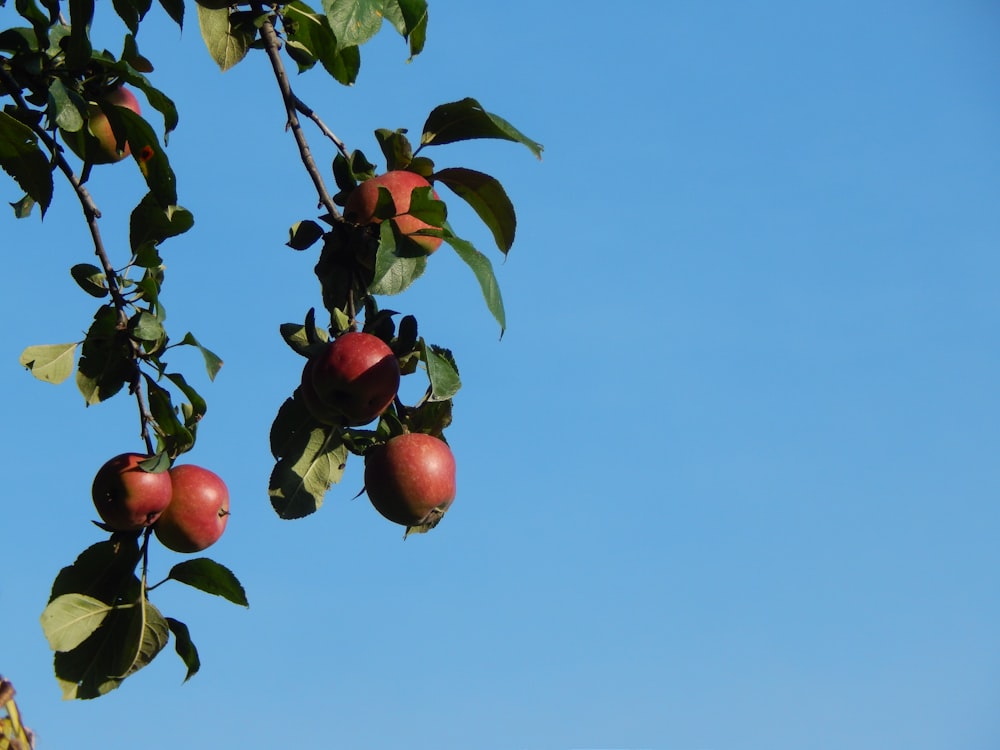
(355, 376)
(104, 149)
(411, 479)
(360, 207)
(198, 510)
(127, 497)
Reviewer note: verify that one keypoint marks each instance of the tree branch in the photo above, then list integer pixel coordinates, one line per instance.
(272, 44)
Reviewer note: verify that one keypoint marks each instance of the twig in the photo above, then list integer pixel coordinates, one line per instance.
(309, 112)
(272, 44)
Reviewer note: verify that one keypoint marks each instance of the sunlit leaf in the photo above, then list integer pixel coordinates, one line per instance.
(52, 363)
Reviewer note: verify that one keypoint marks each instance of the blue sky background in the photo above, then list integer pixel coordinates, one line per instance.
(729, 481)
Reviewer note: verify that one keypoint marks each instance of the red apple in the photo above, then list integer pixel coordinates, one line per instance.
(198, 510)
(126, 496)
(400, 183)
(411, 479)
(356, 376)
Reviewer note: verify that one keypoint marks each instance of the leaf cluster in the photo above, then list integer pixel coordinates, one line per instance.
(101, 624)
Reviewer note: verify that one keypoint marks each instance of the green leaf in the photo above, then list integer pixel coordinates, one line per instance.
(312, 458)
(483, 270)
(65, 105)
(309, 38)
(51, 363)
(70, 619)
(212, 361)
(150, 223)
(396, 148)
(185, 647)
(105, 358)
(393, 272)
(144, 326)
(22, 208)
(78, 49)
(103, 571)
(147, 153)
(297, 337)
(227, 42)
(90, 279)
(198, 405)
(487, 198)
(175, 9)
(147, 633)
(354, 22)
(466, 120)
(441, 371)
(174, 436)
(410, 19)
(22, 159)
(304, 234)
(208, 576)
(131, 12)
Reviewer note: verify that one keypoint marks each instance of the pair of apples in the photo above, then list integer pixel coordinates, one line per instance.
(410, 479)
(187, 506)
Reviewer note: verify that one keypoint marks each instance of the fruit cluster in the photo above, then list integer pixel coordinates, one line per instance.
(352, 380)
(186, 506)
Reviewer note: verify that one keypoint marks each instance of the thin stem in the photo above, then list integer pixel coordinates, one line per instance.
(272, 44)
(309, 112)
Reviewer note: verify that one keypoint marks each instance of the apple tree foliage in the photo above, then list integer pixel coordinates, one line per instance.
(54, 83)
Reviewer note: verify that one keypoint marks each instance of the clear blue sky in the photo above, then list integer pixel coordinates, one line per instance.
(730, 480)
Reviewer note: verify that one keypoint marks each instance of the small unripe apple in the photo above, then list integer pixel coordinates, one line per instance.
(361, 204)
(127, 497)
(411, 479)
(356, 376)
(198, 510)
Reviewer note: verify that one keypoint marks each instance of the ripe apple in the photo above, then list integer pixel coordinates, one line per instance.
(198, 510)
(360, 207)
(355, 376)
(411, 479)
(127, 497)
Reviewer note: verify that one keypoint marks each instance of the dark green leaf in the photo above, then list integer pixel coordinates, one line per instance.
(148, 154)
(105, 358)
(487, 197)
(212, 362)
(91, 279)
(103, 571)
(66, 106)
(130, 50)
(396, 147)
(310, 38)
(198, 405)
(208, 576)
(131, 12)
(410, 19)
(175, 9)
(185, 647)
(150, 223)
(304, 234)
(465, 120)
(483, 270)
(22, 208)
(22, 159)
(78, 50)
